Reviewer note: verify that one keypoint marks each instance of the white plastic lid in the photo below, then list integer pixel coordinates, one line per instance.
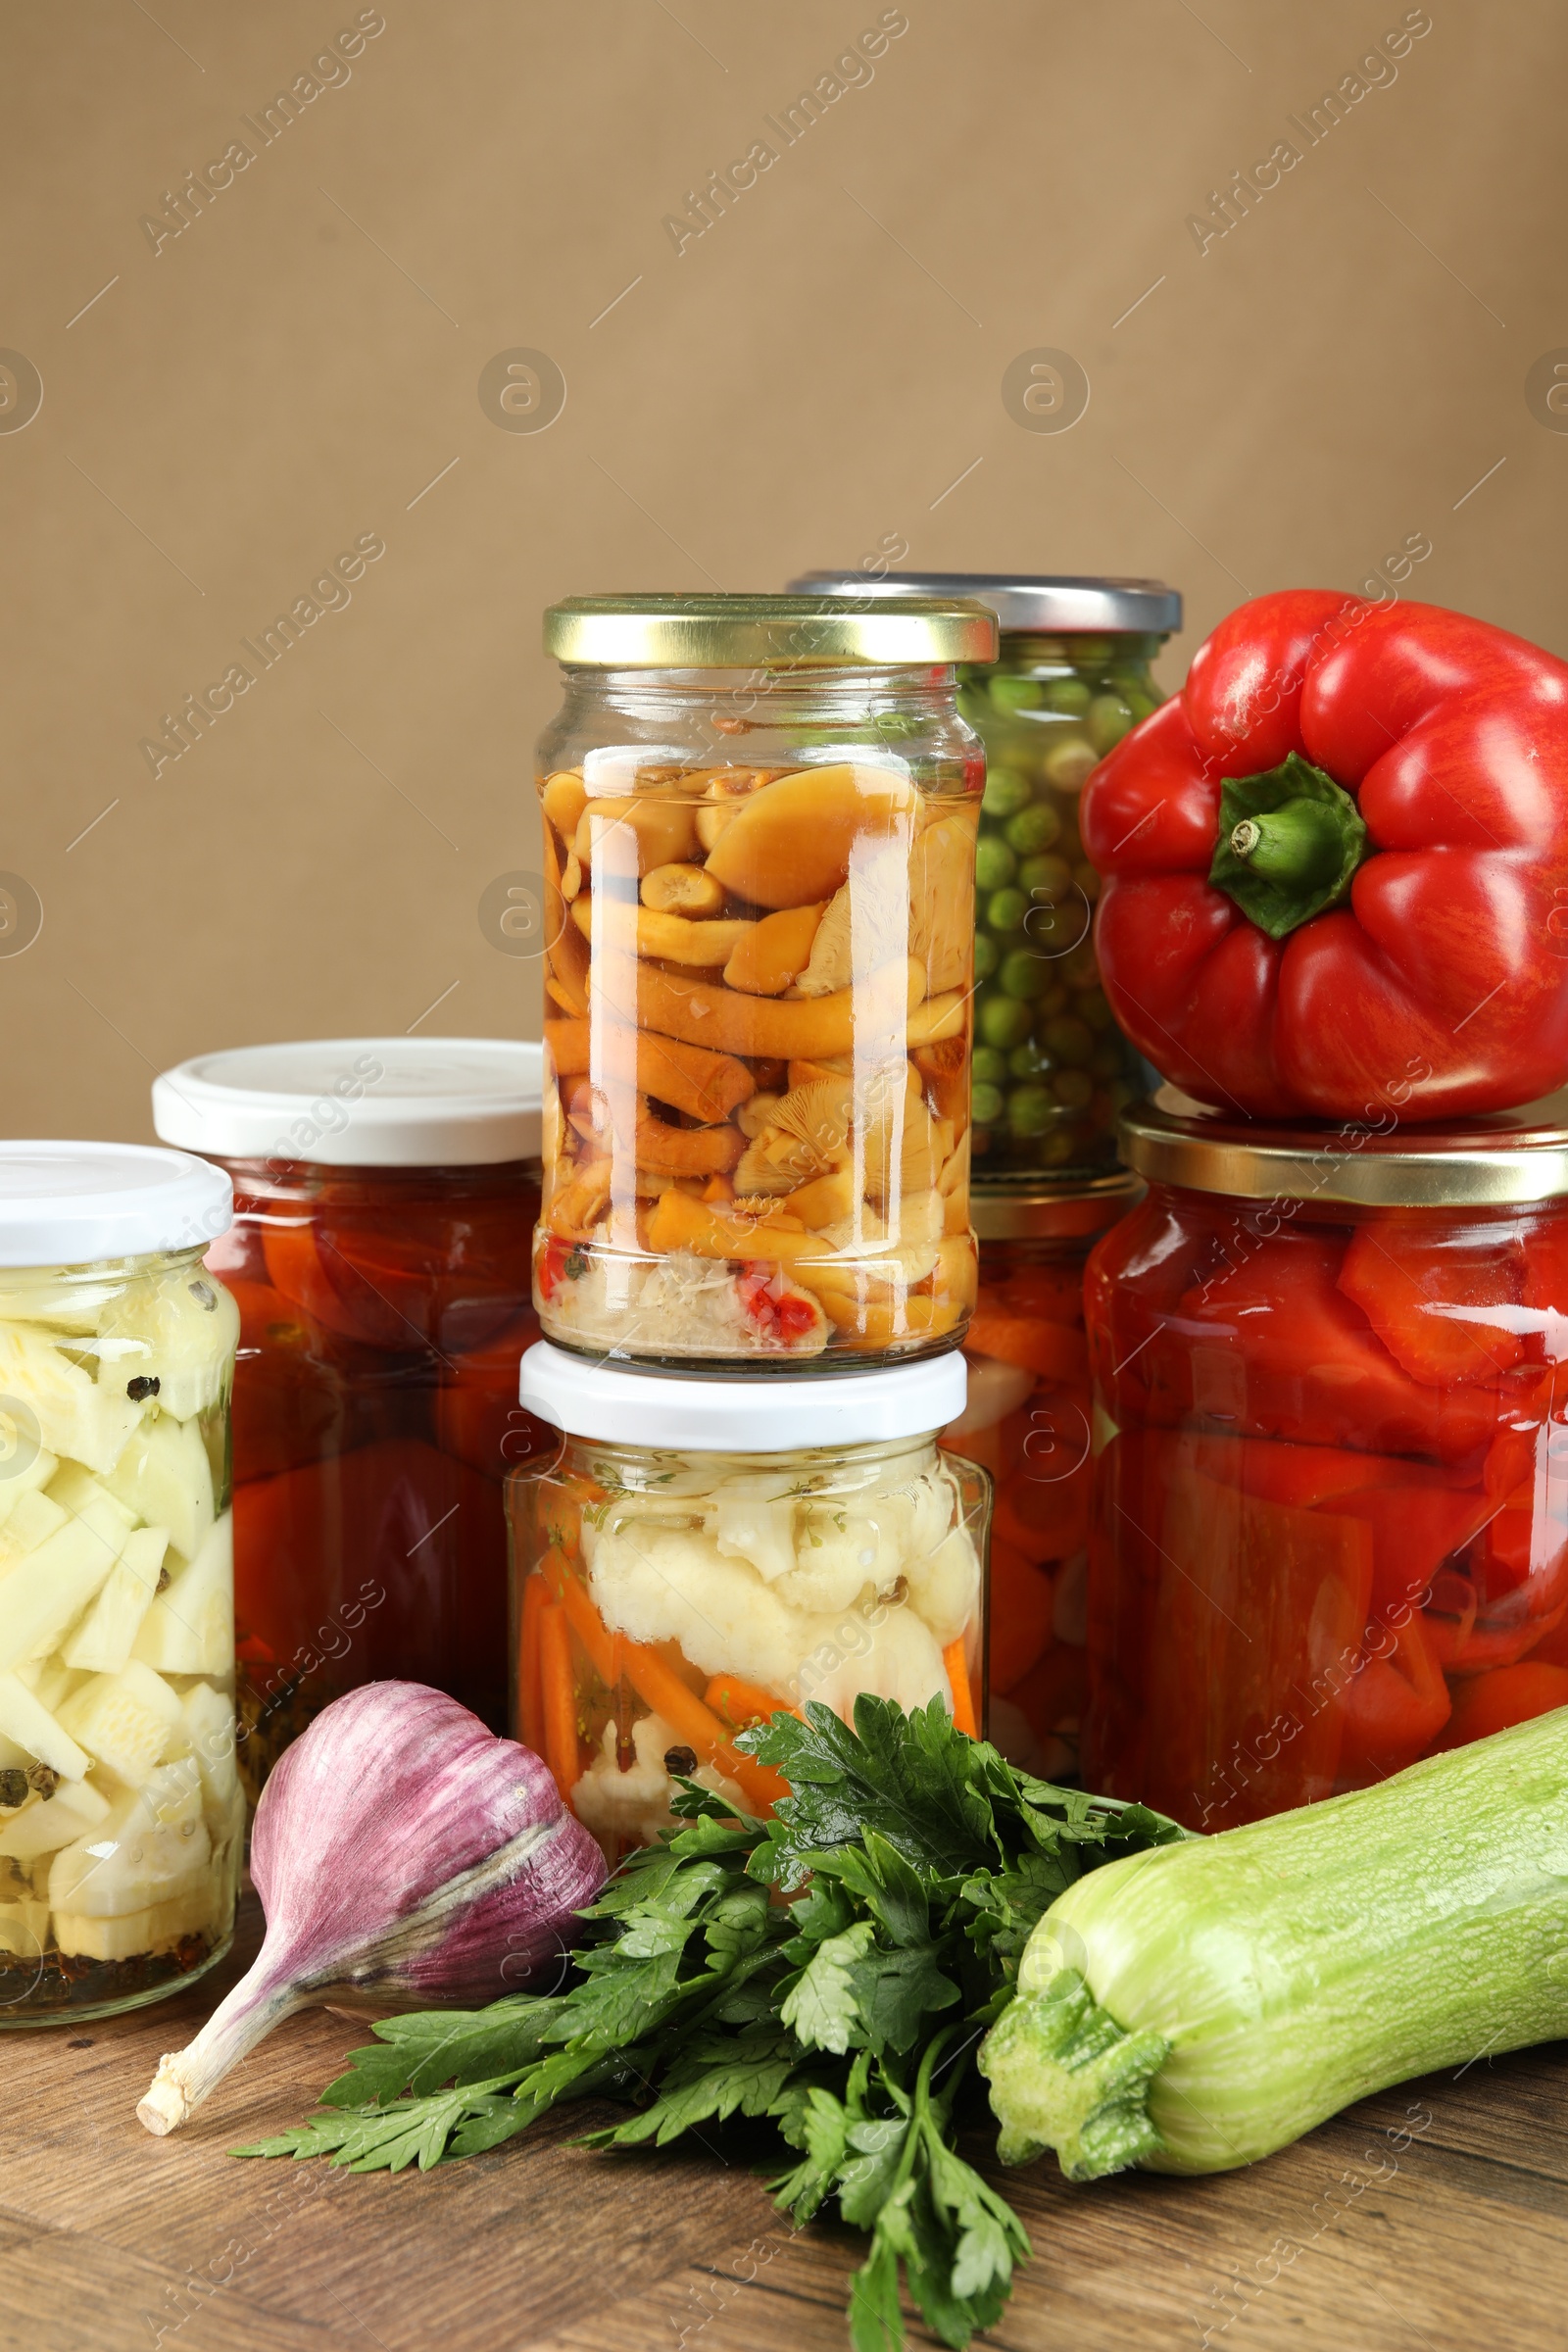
(359, 1101)
(751, 1412)
(70, 1204)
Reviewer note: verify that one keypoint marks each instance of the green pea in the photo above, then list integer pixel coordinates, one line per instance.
(1055, 1149)
(1006, 910)
(1031, 1110)
(1141, 704)
(1028, 1061)
(1079, 969)
(1108, 720)
(1024, 975)
(992, 1068)
(1087, 879)
(993, 864)
(985, 1105)
(1067, 694)
(1055, 999)
(1073, 1089)
(986, 956)
(974, 703)
(1069, 763)
(1108, 1059)
(1005, 793)
(1003, 1022)
(1017, 693)
(1045, 877)
(1094, 1007)
(1071, 1041)
(1032, 830)
(1093, 653)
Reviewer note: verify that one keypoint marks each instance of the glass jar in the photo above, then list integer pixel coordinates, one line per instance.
(760, 817)
(699, 1553)
(120, 1815)
(1027, 1420)
(1052, 1070)
(1331, 1375)
(386, 1191)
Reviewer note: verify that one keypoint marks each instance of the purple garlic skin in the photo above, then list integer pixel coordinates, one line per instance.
(401, 1851)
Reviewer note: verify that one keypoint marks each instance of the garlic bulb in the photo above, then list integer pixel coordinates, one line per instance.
(401, 1849)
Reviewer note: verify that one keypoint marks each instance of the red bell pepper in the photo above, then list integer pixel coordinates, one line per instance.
(1491, 1702)
(1333, 865)
(1445, 1301)
(1397, 1705)
(477, 1416)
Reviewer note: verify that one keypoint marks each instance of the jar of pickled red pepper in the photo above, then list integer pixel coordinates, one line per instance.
(1052, 1070)
(385, 1197)
(699, 1553)
(759, 819)
(1027, 1419)
(122, 1821)
(1331, 1526)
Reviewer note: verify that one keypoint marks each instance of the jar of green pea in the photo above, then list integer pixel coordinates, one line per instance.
(1052, 1070)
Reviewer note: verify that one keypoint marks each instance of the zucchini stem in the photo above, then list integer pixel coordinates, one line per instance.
(1064, 2074)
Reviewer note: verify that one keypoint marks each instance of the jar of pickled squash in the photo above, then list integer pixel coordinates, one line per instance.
(760, 820)
(122, 1819)
(1331, 1531)
(699, 1553)
(1052, 1070)
(386, 1191)
(1027, 1419)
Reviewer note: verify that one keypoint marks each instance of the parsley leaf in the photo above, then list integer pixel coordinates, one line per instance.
(844, 2023)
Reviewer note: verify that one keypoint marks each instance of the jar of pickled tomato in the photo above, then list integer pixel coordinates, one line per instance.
(1028, 1419)
(385, 1196)
(122, 1821)
(1052, 1070)
(759, 819)
(698, 1555)
(1331, 1526)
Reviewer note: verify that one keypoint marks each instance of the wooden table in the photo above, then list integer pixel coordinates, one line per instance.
(1435, 2215)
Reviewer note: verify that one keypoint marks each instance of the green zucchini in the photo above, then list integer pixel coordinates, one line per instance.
(1200, 2006)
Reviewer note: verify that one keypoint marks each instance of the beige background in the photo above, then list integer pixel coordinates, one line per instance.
(804, 379)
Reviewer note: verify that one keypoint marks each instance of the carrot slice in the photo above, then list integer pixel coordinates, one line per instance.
(662, 1687)
(560, 1699)
(1052, 1349)
(963, 1717)
(531, 1678)
(602, 1645)
(739, 1702)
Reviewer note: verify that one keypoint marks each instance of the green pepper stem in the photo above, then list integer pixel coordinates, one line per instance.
(1301, 842)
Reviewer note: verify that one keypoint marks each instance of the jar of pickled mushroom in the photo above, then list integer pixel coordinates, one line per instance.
(385, 1197)
(760, 821)
(1027, 1419)
(122, 1819)
(1331, 1529)
(698, 1555)
(1052, 1070)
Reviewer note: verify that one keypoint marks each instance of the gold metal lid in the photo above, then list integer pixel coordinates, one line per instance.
(1488, 1162)
(1042, 1211)
(766, 632)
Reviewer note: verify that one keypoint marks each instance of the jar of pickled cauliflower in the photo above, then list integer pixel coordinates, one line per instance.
(1052, 1070)
(1330, 1529)
(1027, 1419)
(386, 1191)
(759, 819)
(121, 1818)
(700, 1553)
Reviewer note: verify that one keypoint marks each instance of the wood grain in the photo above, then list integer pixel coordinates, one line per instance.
(1434, 2215)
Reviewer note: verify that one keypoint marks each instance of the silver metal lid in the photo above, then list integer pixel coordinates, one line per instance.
(1494, 1160)
(1061, 605)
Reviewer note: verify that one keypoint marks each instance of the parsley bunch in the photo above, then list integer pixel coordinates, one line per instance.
(846, 2018)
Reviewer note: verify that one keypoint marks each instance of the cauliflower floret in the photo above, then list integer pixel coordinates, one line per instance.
(838, 1552)
(886, 1648)
(631, 1807)
(668, 1585)
(944, 1584)
(754, 1518)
